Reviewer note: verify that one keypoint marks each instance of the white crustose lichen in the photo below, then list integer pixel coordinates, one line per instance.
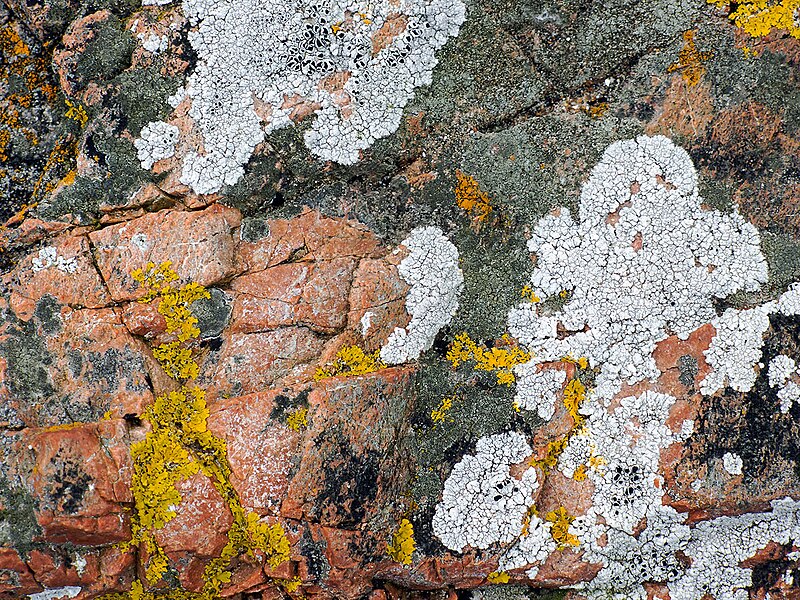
(263, 65)
(431, 269)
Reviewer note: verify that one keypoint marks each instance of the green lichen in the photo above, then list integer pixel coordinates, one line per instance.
(108, 53)
(18, 525)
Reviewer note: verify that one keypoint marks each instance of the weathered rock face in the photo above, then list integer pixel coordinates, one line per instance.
(597, 391)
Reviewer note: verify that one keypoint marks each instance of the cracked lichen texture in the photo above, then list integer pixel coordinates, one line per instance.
(642, 260)
(715, 548)
(262, 64)
(435, 279)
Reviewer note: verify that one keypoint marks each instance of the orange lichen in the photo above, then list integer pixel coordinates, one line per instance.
(690, 60)
(471, 199)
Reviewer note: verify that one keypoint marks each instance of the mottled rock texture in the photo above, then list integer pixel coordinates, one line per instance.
(301, 259)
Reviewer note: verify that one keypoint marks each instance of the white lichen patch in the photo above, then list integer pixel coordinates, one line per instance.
(630, 560)
(538, 390)
(262, 65)
(789, 302)
(644, 260)
(156, 141)
(431, 269)
(69, 591)
(781, 368)
(155, 44)
(482, 503)
(732, 463)
(626, 445)
(715, 550)
(48, 257)
(718, 547)
(736, 348)
(789, 395)
(535, 544)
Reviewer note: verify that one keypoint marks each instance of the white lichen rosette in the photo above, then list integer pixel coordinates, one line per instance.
(644, 260)
(435, 279)
(354, 64)
(482, 503)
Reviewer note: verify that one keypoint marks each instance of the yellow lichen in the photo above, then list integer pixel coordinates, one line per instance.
(438, 415)
(574, 395)
(690, 60)
(580, 473)
(174, 305)
(560, 521)
(530, 295)
(471, 199)
(499, 360)
(179, 446)
(351, 361)
(552, 453)
(76, 112)
(758, 18)
(297, 419)
(497, 577)
(290, 586)
(402, 546)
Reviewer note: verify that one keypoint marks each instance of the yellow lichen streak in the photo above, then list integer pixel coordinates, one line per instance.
(560, 521)
(76, 112)
(402, 546)
(179, 446)
(297, 419)
(497, 577)
(439, 414)
(758, 18)
(499, 360)
(351, 361)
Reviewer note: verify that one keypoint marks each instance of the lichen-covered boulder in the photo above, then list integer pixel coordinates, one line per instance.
(399, 300)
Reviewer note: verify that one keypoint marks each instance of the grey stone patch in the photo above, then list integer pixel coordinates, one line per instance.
(18, 525)
(47, 312)
(687, 365)
(254, 229)
(213, 314)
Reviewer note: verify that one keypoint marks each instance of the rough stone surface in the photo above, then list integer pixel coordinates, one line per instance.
(578, 175)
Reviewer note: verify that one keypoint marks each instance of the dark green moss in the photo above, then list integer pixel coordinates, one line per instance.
(141, 97)
(108, 54)
(18, 525)
(123, 175)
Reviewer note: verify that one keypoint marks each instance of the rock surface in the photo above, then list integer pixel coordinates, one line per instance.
(306, 260)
